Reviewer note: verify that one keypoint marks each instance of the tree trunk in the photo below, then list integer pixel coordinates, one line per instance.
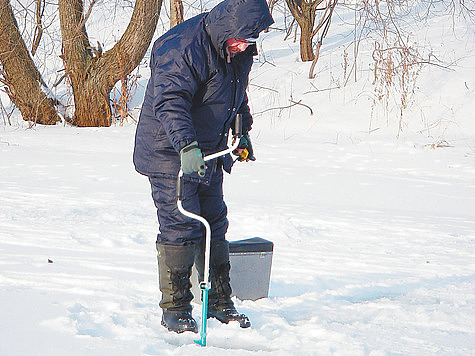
(176, 12)
(306, 46)
(21, 77)
(92, 74)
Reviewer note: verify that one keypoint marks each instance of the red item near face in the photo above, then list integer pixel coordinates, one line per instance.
(236, 45)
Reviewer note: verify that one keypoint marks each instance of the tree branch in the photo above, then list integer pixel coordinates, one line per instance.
(86, 16)
(293, 103)
(40, 9)
(261, 87)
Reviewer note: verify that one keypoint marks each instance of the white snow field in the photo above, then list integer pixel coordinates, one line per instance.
(374, 236)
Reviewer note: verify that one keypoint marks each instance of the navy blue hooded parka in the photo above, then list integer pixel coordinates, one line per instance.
(193, 93)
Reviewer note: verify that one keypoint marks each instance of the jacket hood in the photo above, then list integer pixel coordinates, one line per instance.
(236, 19)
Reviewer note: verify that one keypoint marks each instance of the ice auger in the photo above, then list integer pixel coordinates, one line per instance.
(205, 286)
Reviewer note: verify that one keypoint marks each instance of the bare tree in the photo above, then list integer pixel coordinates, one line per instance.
(93, 74)
(22, 80)
(176, 12)
(305, 13)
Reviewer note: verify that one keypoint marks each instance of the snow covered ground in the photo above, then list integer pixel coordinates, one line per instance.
(374, 237)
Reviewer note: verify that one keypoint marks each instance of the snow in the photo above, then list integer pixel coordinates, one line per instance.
(373, 235)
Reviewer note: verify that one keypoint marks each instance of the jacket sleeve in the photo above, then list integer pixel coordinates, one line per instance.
(246, 115)
(175, 83)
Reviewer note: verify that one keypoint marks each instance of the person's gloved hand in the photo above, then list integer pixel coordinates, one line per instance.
(192, 159)
(244, 150)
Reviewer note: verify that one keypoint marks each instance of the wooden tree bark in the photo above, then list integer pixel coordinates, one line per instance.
(93, 74)
(20, 75)
(306, 43)
(304, 12)
(176, 12)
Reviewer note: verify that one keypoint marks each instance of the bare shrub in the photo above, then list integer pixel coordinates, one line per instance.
(391, 26)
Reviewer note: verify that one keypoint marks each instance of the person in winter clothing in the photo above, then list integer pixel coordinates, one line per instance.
(199, 75)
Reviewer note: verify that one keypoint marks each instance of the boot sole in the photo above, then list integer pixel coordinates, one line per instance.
(178, 331)
(224, 321)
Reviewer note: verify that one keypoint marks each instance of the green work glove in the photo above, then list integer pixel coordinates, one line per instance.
(192, 159)
(244, 150)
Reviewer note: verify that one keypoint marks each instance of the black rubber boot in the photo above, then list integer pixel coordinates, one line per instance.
(220, 305)
(174, 267)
